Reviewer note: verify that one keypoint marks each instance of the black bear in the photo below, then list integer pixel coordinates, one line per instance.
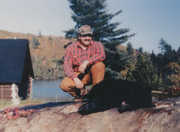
(111, 93)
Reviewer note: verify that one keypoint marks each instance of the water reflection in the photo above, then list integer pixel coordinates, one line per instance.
(43, 89)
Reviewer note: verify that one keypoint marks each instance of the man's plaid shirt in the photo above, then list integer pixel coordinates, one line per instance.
(75, 56)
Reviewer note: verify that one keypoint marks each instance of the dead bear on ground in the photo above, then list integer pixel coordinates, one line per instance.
(111, 93)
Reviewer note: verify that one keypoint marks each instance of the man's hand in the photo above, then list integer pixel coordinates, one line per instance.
(78, 83)
(83, 66)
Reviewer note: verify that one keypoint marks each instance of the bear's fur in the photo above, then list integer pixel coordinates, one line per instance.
(111, 93)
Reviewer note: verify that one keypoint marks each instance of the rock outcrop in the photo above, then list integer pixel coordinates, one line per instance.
(63, 117)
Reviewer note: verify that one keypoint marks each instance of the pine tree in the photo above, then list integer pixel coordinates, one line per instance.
(145, 72)
(35, 42)
(169, 54)
(165, 62)
(94, 13)
(178, 51)
(178, 55)
(164, 46)
(130, 49)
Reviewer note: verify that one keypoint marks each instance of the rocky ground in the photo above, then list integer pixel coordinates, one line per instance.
(63, 117)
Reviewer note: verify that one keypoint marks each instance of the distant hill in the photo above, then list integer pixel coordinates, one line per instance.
(45, 56)
(50, 46)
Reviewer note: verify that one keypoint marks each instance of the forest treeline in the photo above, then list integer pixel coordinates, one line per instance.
(160, 71)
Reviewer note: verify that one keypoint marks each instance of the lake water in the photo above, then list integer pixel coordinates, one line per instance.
(43, 89)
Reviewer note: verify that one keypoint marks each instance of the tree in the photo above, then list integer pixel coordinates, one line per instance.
(173, 78)
(169, 54)
(178, 51)
(178, 55)
(130, 49)
(167, 65)
(117, 61)
(94, 13)
(35, 42)
(164, 46)
(140, 50)
(145, 72)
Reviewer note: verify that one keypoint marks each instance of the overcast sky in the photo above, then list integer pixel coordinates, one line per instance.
(149, 19)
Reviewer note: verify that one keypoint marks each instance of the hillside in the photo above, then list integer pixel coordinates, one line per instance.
(45, 56)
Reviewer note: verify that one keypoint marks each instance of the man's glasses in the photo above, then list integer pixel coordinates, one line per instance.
(87, 39)
(86, 35)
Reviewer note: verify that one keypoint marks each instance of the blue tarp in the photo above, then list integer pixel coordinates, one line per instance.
(14, 54)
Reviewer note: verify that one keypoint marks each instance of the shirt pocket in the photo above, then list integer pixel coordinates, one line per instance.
(75, 60)
(91, 52)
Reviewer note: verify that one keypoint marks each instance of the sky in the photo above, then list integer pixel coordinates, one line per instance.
(151, 20)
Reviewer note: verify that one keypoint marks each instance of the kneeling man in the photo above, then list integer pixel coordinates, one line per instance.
(83, 58)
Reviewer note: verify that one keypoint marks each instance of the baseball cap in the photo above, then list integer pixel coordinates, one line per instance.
(85, 30)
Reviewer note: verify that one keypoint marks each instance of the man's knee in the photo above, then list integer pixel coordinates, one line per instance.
(66, 84)
(99, 66)
(98, 71)
(62, 85)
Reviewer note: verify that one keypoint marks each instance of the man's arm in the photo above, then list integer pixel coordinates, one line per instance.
(83, 66)
(99, 54)
(69, 70)
(68, 64)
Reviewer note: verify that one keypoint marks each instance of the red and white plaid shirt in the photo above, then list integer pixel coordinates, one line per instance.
(75, 56)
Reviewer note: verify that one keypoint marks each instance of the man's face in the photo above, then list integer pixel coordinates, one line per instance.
(85, 39)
